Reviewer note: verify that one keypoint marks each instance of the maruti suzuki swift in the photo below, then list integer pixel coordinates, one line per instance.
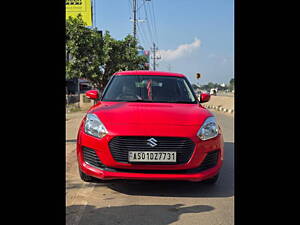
(149, 125)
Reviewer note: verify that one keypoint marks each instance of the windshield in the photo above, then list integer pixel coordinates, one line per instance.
(131, 88)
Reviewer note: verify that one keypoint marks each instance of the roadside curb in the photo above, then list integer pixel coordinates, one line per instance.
(219, 108)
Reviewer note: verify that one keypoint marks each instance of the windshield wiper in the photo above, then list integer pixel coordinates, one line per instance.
(181, 102)
(138, 100)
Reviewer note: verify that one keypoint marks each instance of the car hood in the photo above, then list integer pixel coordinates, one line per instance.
(150, 113)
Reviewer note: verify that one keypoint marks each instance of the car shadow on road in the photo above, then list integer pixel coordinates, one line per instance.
(223, 188)
(131, 214)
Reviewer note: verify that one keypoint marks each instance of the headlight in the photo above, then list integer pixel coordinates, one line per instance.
(209, 129)
(93, 126)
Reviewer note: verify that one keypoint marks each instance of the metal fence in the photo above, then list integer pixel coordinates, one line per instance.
(72, 98)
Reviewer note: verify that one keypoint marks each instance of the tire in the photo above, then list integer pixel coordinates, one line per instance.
(212, 180)
(86, 178)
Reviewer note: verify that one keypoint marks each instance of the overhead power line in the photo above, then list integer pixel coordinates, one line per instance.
(143, 11)
(154, 21)
(135, 20)
(148, 23)
(142, 35)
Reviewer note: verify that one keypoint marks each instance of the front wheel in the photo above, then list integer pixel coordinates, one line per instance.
(86, 178)
(212, 180)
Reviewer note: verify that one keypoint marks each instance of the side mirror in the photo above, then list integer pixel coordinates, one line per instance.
(92, 94)
(204, 97)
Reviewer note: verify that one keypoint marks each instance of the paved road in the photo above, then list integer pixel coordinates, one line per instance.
(155, 203)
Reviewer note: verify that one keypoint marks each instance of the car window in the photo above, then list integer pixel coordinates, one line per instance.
(122, 88)
(149, 89)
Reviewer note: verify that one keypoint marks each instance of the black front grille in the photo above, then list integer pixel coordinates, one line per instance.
(91, 158)
(120, 146)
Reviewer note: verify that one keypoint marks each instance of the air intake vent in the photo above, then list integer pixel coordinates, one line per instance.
(91, 158)
(210, 160)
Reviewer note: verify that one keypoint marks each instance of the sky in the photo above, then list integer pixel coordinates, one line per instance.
(192, 36)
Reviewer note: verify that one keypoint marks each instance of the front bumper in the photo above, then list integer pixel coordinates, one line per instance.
(115, 170)
(110, 175)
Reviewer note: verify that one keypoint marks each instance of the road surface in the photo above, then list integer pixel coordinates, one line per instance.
(149, 202)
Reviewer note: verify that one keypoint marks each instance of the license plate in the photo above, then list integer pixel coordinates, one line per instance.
(134, 156)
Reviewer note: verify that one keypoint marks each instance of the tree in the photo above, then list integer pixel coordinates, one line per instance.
(231, 84)
(195, 86)
(120, 55)
(211, 85)
(96, 58)
(84, 50)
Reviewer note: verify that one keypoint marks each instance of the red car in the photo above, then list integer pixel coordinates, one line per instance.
(149, 125)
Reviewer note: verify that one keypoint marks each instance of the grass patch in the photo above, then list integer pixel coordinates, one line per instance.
(86, 100)
(73, 108)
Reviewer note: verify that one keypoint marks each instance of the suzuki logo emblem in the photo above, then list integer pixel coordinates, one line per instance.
(152, 142)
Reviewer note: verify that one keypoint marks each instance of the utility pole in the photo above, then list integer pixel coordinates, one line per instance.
(154, 49)
(94, 24)
(134, 17)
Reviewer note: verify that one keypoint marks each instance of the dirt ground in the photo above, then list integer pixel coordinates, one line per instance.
(226, 102)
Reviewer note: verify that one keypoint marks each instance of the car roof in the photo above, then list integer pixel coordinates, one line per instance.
(149, 72)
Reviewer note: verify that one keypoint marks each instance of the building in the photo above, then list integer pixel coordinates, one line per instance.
(72, 86)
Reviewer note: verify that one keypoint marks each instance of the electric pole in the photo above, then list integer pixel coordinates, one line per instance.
(135, 20)
(154, 49)
(94, 13)
(134, 17)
